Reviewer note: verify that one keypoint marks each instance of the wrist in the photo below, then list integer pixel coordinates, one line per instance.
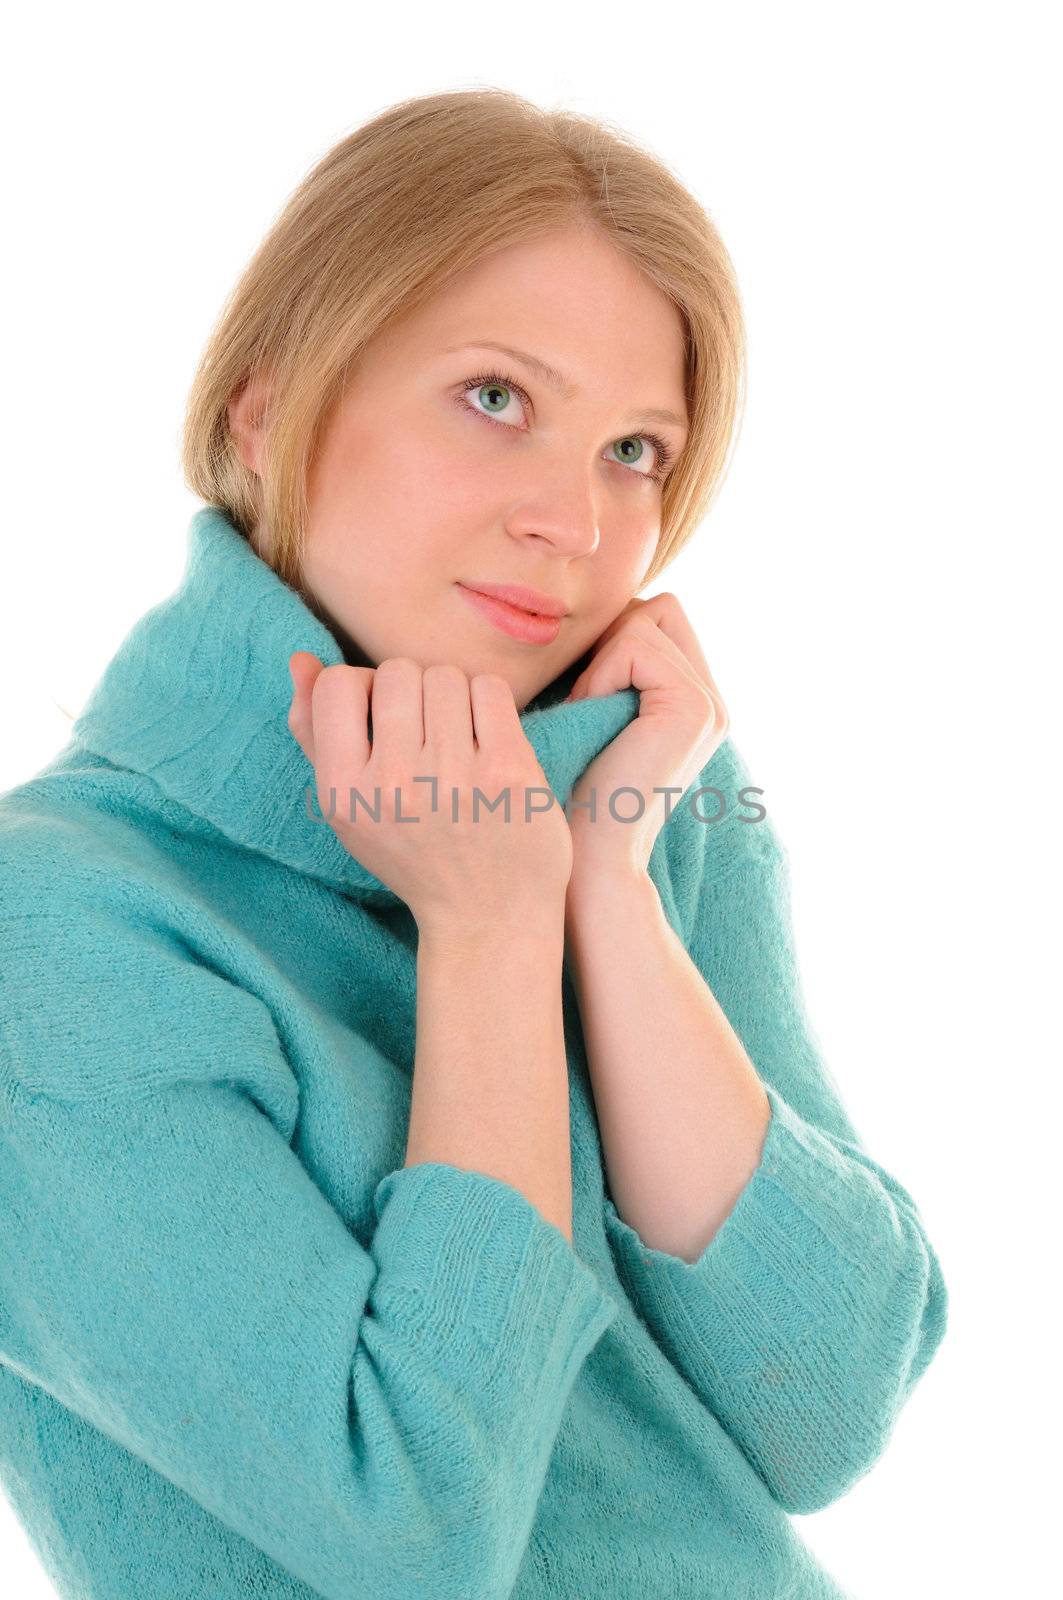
(607, 877)
(535, 916)
(604, 892)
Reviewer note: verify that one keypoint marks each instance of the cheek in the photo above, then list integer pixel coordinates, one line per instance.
(628, 569)
(425, 486)
(647, 550)
(463, 489)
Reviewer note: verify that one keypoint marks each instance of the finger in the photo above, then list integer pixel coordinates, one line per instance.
(303, 667)
(340, 710)
(447, 711)
(496, 721)
(674, 626)
(604, 674)
(643, 660)
(396, 702)
(636, 660)
(718, 722)
(667, 612)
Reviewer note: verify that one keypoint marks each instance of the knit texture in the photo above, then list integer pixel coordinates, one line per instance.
(245, 1351)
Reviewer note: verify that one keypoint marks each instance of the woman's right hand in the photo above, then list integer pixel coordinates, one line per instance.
(464, 732)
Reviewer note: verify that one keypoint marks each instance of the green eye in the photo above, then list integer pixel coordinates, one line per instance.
(627, 444)
(494, 395)
(490, 393)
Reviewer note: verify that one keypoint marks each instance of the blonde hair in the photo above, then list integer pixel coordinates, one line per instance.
(379, 225)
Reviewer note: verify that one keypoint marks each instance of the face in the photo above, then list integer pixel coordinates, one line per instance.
(449, 464)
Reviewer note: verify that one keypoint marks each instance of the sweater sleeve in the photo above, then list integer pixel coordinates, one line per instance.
(819, 1302)
(377, 1419)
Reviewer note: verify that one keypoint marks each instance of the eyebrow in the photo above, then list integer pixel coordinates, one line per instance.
(556, 380)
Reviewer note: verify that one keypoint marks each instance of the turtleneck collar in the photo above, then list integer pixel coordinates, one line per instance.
(198, 692)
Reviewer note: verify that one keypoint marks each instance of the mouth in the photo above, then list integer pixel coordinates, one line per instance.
(532, 627)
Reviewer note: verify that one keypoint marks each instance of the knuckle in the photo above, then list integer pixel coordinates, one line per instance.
(445, 671)
(494, 682)
(491, 777)
(498, 778)
(329, 789)
(398, 664)
(717, 713)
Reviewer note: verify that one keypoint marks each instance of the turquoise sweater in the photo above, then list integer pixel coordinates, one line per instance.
(243, 1349)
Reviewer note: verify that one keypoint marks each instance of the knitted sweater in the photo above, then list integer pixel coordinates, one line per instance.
(243, 1349)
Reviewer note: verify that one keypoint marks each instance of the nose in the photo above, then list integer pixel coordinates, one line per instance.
(567, 523)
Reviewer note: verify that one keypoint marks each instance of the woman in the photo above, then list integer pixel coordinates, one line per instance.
(402, 1198)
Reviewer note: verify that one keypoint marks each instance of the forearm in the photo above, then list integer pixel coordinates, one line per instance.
(681, 1109)
(490, 1085)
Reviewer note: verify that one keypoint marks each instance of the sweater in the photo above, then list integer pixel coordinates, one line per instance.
(244, 1350)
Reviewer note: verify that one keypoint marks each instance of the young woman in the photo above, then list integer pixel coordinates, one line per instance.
(412, 1185)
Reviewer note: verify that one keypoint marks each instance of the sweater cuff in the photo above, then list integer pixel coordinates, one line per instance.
(780, 1263)
(809, 1315)
(472, 1264)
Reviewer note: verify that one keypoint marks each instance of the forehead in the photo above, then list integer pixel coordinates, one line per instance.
(575, 277)
(585, 320)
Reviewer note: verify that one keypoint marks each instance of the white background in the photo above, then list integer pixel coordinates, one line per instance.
(875, 590)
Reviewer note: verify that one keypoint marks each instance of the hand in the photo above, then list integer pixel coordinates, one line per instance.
(682, 721)
(423, 725)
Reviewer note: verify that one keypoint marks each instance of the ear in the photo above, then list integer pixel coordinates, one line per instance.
(248, 413)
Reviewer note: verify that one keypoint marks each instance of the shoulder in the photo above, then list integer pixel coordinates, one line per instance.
(83, 808)
(76, 855)
(105, 987)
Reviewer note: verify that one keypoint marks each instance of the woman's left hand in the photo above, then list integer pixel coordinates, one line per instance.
(682, 721)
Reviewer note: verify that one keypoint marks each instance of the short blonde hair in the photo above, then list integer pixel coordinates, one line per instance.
(379, 225)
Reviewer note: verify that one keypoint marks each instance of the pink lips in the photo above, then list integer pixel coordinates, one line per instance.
(515, 594)
(530, 626)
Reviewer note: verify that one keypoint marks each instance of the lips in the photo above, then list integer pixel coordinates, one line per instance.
(515, 594)
(529, 626)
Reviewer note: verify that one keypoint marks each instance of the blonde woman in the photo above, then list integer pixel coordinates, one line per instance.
(413, 1185)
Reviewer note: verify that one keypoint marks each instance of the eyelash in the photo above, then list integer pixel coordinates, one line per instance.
(663, 451)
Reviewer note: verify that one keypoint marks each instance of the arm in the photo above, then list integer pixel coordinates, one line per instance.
(679, 1145)
(817, 1300)
(368, 1413)
(490, 1087)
